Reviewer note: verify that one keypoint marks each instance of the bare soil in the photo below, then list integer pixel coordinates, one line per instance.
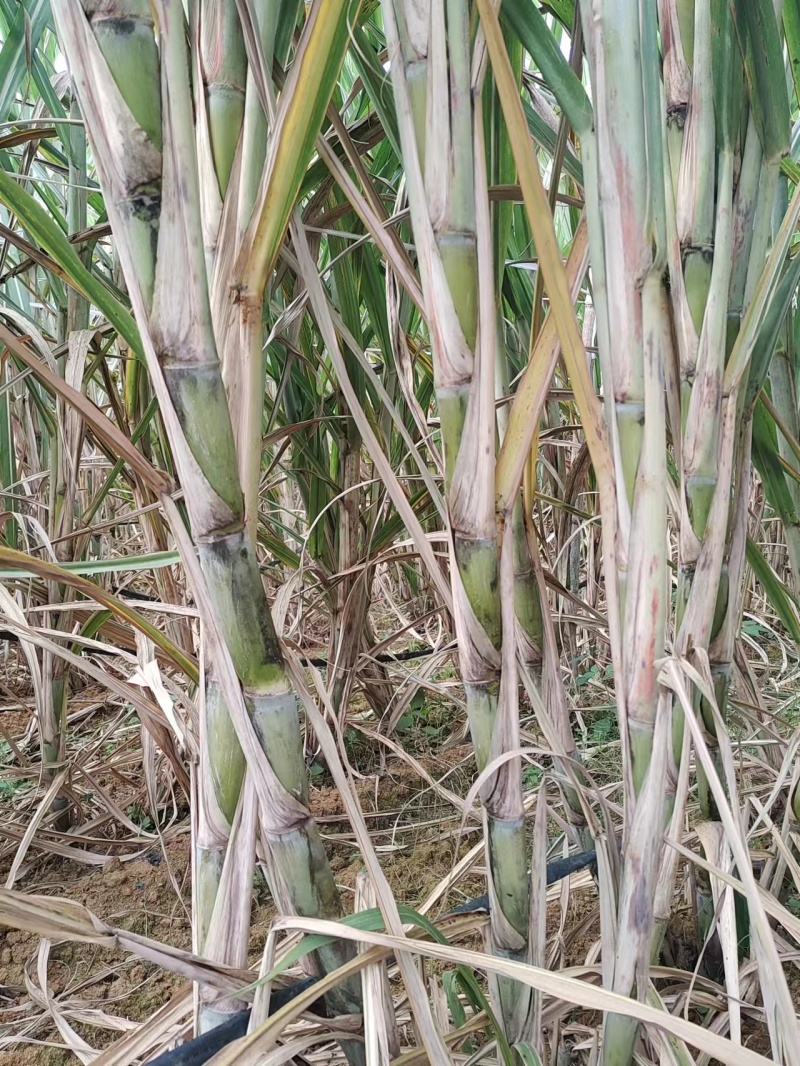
(419, 841)
(417, 833)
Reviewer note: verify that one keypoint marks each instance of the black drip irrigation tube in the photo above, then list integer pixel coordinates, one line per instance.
(198, 1051)
(202, 1048)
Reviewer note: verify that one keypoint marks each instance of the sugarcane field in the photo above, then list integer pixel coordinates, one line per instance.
(400, 532)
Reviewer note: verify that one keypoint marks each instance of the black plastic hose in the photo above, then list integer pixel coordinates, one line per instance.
(202, 1048)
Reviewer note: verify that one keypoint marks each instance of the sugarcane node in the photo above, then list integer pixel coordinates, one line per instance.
(677, 113)
(145, 201)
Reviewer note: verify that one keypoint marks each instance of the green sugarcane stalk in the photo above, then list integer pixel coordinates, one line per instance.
(709, 611)
(628, 241)
(528, 596)
(747, 224)
(502, 171)
(706, 265)
(183, 363)
(218, 788)
(632, 233)
(126, 38)
(707, 283)
(228, 100)
(676, 22)
(223, 64)
(727, 615)
(231, 115)
(433, 72)
(232, 112)
(695, 195)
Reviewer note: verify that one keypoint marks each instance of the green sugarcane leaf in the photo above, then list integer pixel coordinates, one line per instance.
(376, 84)
(132, 564)
(527, 21)
(564, 11)
(774, 589)
(726, 63)
(277, 549)
(457, 1012)
(791, 29)
(478, 1001)
(33, 17)
(373, 293)
(390, 530)
(372, 920)
(20, 42)
(286, 26)
(49, 98)
(19, 564)
(546, 138)
(765, 74)
(49, 235)
(308, 91)
(91, 627)
(503, 168)
(767, 461)
(770, 329)
(528, 1054)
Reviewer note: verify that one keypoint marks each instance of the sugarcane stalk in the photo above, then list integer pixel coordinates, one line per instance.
(126, 38)
(245, 370)
(677, 80)
(179, 344)
(735, 291)
(534, 630)
(217, 796)
(628, 241)
(431, 76)
(702, 351)
(223, 68)
(728, 606)
(124, 33)
(714, 535)
(695, 196)
(632, 233)
(502, 171)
